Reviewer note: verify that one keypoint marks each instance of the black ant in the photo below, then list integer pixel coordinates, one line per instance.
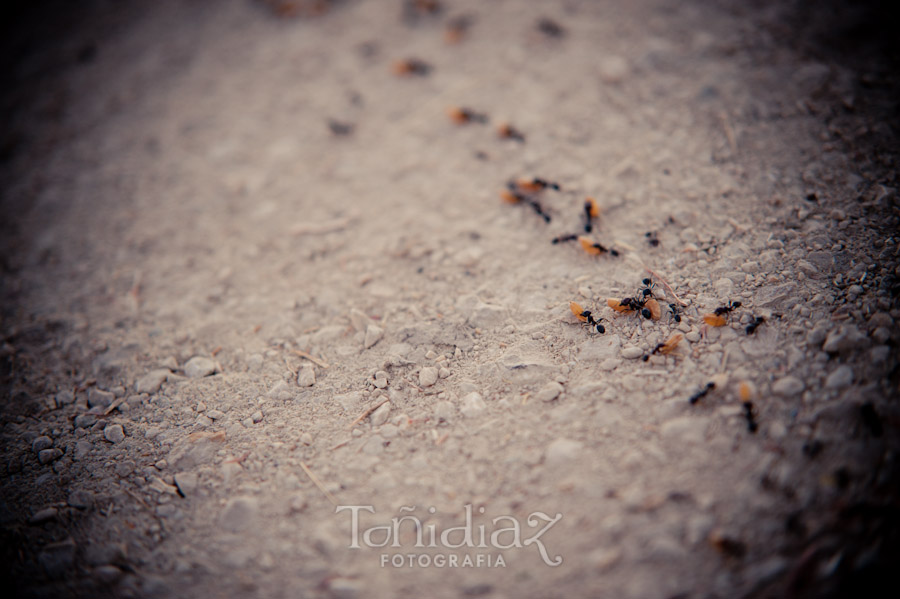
(550, 28)
(647, 291)
(674, 310)
(595, 248)
(507, 131)
(564, 238)
(752, 426)
(514, 196)
(637, 303)
(537, 184)
(702, 392)
(727, 308)
(651, 238)
(411, 67)
(466, 115)
(594, 322)
(339, 128)
(591, 211)
(586, 316)
(751, 328)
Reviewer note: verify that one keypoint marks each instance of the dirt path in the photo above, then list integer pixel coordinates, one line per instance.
(229, 236)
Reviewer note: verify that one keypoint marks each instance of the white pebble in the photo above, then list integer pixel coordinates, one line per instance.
(631, 352)
(428, 376)
(373, 335)
(114, 433)
(307, 376)
(472, 405)
(549, 392)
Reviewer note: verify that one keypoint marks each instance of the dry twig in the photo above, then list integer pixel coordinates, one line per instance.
(318, 483)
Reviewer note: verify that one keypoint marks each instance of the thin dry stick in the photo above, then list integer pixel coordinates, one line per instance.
(366, 414)
(663, 281)
(318, 483)
(310, 357)
(729, 132)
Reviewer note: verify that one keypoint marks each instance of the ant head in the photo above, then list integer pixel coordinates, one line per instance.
(646, 281)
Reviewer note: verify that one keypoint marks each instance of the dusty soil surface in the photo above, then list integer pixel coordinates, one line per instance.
(230, 231)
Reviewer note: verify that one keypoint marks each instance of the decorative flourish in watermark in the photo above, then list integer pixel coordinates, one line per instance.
(467, 535)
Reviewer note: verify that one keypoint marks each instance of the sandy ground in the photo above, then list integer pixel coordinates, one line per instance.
(207, 289)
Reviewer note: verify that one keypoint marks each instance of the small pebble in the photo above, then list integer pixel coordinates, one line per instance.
(124, 468)
(98, 397)
(561, 451)
(472, 405)
(444, 372)
(114, 433)
(44, 515)
(256, 417)
(373, 335)
(444, 411)
(549, 392)
(41, 443)
(48, 455)
(381, 379)
(428, 376)
(840, 378)
(199, 366)
(789, 386)
(280, 391)
(85, 420)
(631, 352)
(609, 364)
(307, 376)
(380, 415)
(151, 382)
(359, 320)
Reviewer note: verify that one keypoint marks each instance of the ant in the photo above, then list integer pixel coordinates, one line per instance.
(717, 318)
(591, 211)
(702, 392)
(536, 184)
(651, 238)
(507, 131)
(457, 28)
(466, 115)
(585, 316)
(674, 310)
(595, 249)
(563, 239)
(410, 67)
(727, 308)
(339, 128)
(637, 303)
(751, 328)
(647, 291)
(512, 196)
(752, 425)
(666, 347)
(550, 28)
